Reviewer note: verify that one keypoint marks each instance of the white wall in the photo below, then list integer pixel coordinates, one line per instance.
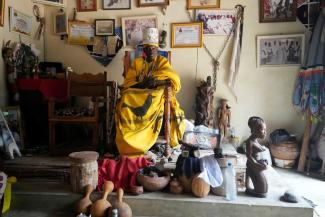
(264, 92)
(26, 7)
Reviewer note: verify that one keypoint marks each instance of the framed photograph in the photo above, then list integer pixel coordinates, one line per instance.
(216, 22)
(132, 28)
(277, 11)
(187, 34)
(86, 5)
(12, 116)
(58, 3)
(2, 12)
(280, 50)
(20, 22)
(147, 3)
(104, 27)
(116, 4)
(203, 4)
(60, 23)
(81, 33)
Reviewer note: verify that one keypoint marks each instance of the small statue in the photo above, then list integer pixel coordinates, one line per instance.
(204, 104)
(254, 165)
(224, 116)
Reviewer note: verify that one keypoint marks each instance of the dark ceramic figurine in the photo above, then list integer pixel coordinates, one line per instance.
(255, 166)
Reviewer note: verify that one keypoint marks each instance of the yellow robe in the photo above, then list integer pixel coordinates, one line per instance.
(139, 113)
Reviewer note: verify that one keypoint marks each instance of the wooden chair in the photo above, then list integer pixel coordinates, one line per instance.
(80, 85)
(128, 58)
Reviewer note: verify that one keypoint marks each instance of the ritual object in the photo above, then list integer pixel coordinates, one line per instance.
(285, 153)
(123, 208)
(224, 115)
(101, 206)
(199, 187)
(152, 179)
(83, 170)
(83, 205)
(254, 165)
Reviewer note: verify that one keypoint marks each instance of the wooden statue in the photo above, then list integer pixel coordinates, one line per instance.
(254, 165)
(224, 116)
(204, 104)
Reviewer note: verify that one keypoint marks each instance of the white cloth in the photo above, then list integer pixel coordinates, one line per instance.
(3, 184)
(211, 172)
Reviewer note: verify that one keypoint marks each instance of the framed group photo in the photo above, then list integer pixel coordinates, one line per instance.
(104, 27)
(132, 28)
(60, 23)
(147, 3)
(116, 4)
(277, 11)
(86, 5)
(187, 35)
(203, 4)
(2, 12)
(216, 22)
(280, 50)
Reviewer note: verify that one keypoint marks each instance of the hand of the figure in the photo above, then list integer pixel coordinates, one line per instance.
(151, 82)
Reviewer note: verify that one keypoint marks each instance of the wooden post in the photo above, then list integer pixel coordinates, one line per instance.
(305, 143)
(167, 94)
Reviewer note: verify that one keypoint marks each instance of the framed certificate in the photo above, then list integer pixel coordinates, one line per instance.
(187, 34)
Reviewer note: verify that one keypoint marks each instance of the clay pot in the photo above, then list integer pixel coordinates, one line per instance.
(124, 209)
(284, 154)
(199, 187)
(152, 183)
(175, 187)
(83, 205)
(101, 206)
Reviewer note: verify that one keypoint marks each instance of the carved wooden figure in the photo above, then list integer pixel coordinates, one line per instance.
(204, 104)
(254, 165)
(224, 116)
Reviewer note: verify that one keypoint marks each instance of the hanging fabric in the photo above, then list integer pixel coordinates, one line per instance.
(309, 92)
(236, 51)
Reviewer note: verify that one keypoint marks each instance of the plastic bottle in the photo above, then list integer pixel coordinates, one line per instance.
(231, 191)
(114, 213)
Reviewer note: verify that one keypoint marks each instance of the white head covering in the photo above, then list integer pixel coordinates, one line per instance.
(151, 36)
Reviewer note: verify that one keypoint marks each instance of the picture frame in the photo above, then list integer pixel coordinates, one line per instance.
(116, 4)
(12, 115)
(104, 27)
(81, 33)
(203, 4)
(20, 22)
(148, 3)
(280, 50)
(271, 11)
(86, 5)
(186, 35)
(60, 23)
(132, 28)
(217, 21)
(2, 12)
(57, 3)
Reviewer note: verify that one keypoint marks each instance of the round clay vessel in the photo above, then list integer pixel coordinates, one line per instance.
(176, 187)
(152, 183)
(186, 183)
(285, 154)
(83, 205)
(199, 187)
(123, 208)
(101, 206)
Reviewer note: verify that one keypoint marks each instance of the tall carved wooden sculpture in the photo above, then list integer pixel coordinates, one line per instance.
(254, 165)
(204, 110)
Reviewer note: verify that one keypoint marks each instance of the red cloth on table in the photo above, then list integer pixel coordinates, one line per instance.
(56, 88)
(122, 172)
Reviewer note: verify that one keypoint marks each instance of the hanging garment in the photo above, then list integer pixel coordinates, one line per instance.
(139, 114)
(122, 172)
(309, 92)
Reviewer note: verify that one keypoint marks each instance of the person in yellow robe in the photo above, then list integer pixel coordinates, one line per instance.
(139, 113)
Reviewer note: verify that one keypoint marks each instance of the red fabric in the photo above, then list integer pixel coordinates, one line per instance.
(56, 88)
(122, 172)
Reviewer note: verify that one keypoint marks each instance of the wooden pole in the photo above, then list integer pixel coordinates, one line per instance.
(305, 143)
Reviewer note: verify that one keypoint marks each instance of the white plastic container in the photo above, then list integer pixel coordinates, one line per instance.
(230, 176)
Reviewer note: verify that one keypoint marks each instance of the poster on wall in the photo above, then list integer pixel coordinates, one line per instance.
(20, 22)
(216, 22)
(81, 33)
